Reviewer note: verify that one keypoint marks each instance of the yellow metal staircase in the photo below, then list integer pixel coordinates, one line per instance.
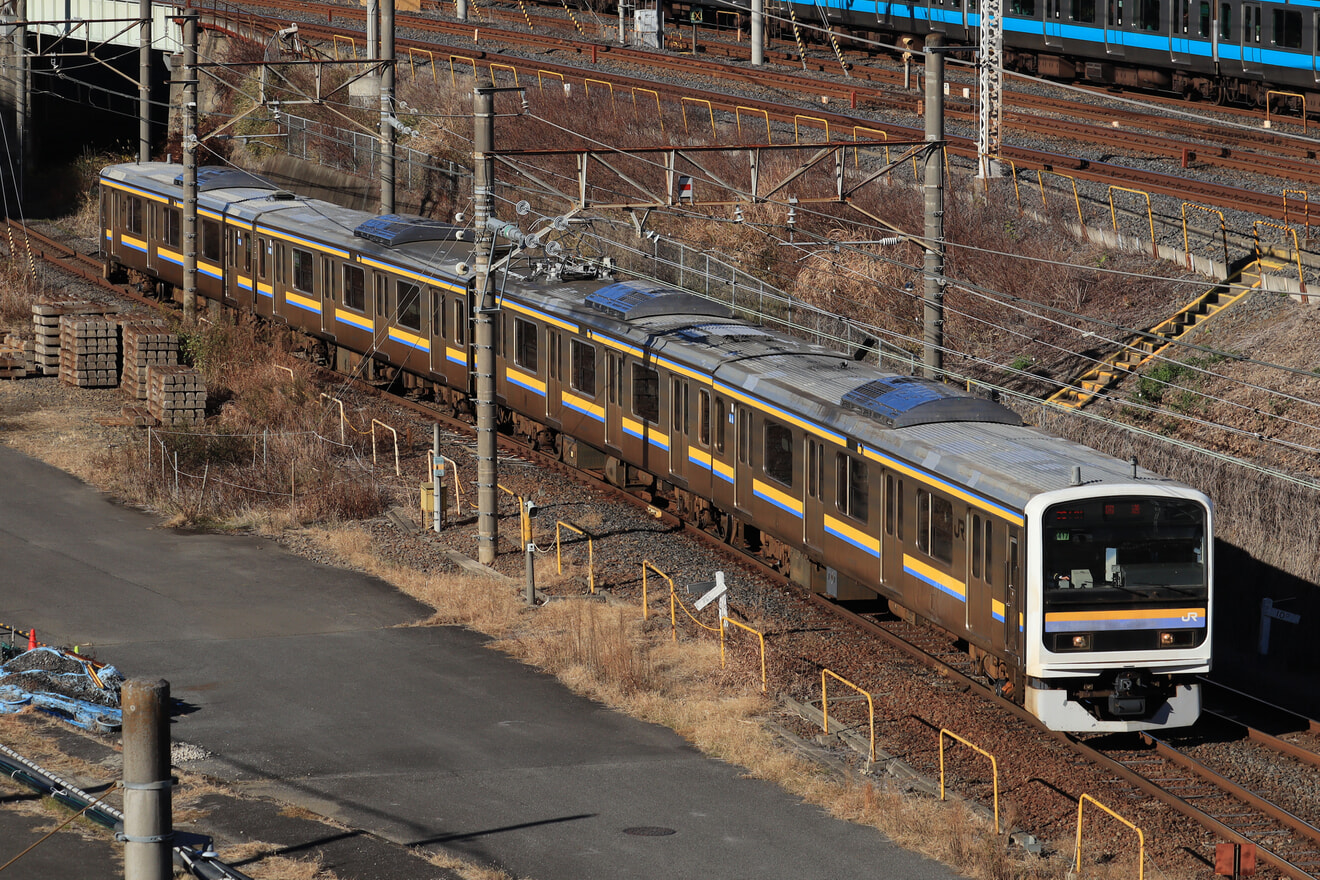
(1139, 349)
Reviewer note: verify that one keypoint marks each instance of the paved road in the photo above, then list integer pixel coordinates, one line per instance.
(302, 683)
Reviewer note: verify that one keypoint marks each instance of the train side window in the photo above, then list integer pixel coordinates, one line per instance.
(133, 214)
(173, 224)
(989, 552)
(279, 262)
(582, 367)
(744, 435)
(328, 278)
(978, 548)
(1026, 8)
(525, 341)
(646, 393)
(1251, 24)
(263, 248)
(460, 322)
(1203, 20)
(380, 296)
(851, 495)
(703, 417)
(437, 313)
(614, 377)
(898, 501)
(1083, 10)
(302, 270)
(889, 504)
(813, 462)
(355, 287)
(1148, 15)
(556, 351)
(211, 240)
(935, 526)
(1288, 28)
(1225, 21)
(778, 452)
(408, 298)
(720, 422)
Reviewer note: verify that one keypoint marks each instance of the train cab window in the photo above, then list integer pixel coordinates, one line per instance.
(646, 393)
(1148, 15)
(408, 298)
(460, 322)
(525, 341)
(1225, 21)
(582, 367)
(935, 526)
(133, 214)
(851, 495)
(703, 417)
(1082, 10)
(778, 452)
(302, 270)
(355, 288)
(720, 422)
(1288, 28)
(1025, 8)
(210, 240)
(172, 222)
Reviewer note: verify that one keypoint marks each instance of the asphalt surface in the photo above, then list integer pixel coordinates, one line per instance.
(306, 685)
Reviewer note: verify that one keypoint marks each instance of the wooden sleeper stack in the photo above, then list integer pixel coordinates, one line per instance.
(89, 351)
(145, 345)
(46, 325)
(176, 395)
(17, 357)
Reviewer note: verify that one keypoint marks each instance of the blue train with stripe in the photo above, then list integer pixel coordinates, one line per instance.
(1081, 583)
(1216, 50)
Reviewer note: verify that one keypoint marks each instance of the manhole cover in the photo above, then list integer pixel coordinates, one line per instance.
(649, 831)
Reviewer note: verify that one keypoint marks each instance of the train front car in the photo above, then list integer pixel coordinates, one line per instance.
(1119, 592)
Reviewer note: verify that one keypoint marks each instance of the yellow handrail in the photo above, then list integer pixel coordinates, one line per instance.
(548, 73)
(994, 767)
(1296, 95)
(684, 101)
(737, 116)
(658, 114)
(825, 703)
(398, 472)
(1223, 231)
(1040, 179)
(1141, 837)
(591, 553)
(760, 635)
(586, 86)
(524, 521)
(342, 418)
(1150, 217)
(824, 122)
(452, 76)
(884, 136)
(1296, 251)
(508, 67)
(646, 563)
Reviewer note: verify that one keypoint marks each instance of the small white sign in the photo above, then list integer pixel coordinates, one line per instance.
(714, 592)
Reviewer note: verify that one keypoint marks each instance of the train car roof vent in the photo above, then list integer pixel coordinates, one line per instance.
(282, 195)
(905, 401)
(392, 230)
(219, 177)
(629, 300)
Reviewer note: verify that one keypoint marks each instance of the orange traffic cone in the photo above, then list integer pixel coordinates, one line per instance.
(32, 640)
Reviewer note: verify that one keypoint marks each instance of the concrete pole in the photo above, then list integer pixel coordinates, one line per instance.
(483, 141)
(758, 33)
(148, 818)
(933, 190)
(623, 25)
(437, 485)
(22, 96)
(144, 81)
(387, 133)
(372, 49)
(190, 168)
(461, 11)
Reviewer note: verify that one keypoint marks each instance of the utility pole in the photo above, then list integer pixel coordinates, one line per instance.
(22, 94)
(933, 191)
(387, 134)
(991, 86)
(483, 142)
(758, 33)
(144, 81)
(148, 817)
(190, 167)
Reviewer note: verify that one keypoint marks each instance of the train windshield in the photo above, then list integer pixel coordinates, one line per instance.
(1118, 549)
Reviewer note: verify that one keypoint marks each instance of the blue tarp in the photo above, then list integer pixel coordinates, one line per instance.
(65, 685)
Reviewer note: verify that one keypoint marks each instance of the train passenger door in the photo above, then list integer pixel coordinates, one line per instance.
(985, 604)
(1014, 599)
(894, 537)
(265, 292)
(1114, 42)
(1054, 23)
(935, 16)
(742, 483)
(1251, 36)
(813, 518)
(329, 295)
(1181, 31)
(614, 400)
(680, 422)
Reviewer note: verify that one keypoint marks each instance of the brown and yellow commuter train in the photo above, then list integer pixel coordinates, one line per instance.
(1083, 582)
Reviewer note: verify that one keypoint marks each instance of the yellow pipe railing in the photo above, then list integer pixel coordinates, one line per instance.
(591, 553)
(398, 472)
(825, 703)
(1141, 837)
(646, 564)
(760, 635)
(994, 767)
